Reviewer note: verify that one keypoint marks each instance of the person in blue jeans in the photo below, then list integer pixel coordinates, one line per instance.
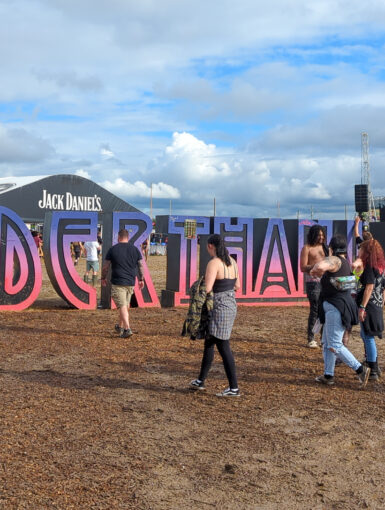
(337, 313)
(370, 299)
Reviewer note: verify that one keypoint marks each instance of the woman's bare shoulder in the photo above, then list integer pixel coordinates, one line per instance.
(213, 263)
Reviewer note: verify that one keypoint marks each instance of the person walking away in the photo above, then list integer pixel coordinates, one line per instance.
(370, 300)
(92, 250)
(338, 313)
(222, 278)
(313, 252)
(77, 250)
(126, 264)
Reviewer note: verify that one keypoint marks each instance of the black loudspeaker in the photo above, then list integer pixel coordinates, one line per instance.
(382, 213)
(361, 193)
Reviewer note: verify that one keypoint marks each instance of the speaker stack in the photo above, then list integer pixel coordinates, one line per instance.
(361, 193)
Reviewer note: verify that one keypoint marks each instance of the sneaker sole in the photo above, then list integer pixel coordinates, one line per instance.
(228, 396)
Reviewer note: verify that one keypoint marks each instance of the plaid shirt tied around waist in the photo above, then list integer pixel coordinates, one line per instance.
(199, 310)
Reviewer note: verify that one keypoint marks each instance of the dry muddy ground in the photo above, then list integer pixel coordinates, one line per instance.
(92, 421)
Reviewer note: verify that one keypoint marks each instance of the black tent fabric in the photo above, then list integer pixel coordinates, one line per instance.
(31, 200)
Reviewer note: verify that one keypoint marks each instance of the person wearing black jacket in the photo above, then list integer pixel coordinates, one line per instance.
(338, 312)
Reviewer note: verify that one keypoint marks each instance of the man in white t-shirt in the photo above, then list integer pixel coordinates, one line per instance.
(92, 249)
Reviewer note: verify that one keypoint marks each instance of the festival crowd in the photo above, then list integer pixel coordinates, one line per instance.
(342, 294)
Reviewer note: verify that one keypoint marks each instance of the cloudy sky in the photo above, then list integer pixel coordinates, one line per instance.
(258, 104)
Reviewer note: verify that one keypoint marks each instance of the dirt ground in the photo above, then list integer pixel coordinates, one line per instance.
(92, 421)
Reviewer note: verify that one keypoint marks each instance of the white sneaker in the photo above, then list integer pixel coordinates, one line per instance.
(229, 393)
(313, 344)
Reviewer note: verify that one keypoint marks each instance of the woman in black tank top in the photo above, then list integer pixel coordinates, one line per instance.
(338, 312)
(222, 315)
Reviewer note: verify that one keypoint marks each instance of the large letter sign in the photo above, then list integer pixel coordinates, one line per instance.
(238, 236)
(182, 258)
(20, 269)
(60, 229)
(275, 280)
(267, 252)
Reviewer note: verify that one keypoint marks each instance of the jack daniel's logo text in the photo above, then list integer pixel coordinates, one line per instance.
(69, 202)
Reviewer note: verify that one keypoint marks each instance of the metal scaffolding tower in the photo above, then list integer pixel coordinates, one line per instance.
(365, 170)
(365, 174)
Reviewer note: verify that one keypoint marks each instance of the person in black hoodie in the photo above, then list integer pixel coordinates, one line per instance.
(337, 312)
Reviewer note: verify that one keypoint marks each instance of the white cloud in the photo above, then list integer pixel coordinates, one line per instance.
(140, 189)
(106, 152)
(244, 182)
(83, 173)
(188, 159)
(236, 178)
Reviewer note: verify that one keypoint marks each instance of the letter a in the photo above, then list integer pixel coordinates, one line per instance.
(275, 279)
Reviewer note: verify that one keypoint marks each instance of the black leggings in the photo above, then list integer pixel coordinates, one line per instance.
(224, 350)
